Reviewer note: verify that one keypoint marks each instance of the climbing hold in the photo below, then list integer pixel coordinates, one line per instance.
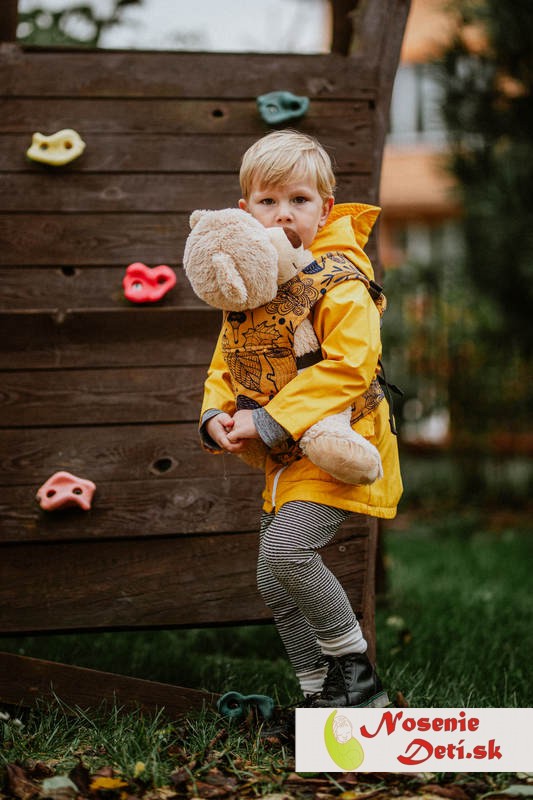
(63, 490)
(57, 149)
(235, 704)
(144, 284)
(276, 107)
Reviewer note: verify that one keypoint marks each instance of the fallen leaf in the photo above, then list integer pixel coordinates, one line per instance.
(105, 783)
(179, 777)
(37, 770)
(18, 783)
(140, 767)
(515, 790)
(454, 792)
(81, 777)
(277, 796)
(60, 787)
(106, 772)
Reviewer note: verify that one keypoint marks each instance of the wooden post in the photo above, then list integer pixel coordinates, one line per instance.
(342, 28)
(8, 21)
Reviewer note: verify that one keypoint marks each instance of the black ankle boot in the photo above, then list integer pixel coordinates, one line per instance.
(351, 682)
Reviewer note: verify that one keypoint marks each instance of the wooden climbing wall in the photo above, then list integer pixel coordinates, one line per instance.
(110, 390)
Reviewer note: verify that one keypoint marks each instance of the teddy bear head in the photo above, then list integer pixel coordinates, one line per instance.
(234, 263)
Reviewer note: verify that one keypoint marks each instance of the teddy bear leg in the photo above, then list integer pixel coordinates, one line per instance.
(333, 446)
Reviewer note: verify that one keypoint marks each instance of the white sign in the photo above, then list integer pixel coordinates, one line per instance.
(414, 740)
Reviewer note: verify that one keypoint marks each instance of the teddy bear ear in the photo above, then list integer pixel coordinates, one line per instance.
(196, 216)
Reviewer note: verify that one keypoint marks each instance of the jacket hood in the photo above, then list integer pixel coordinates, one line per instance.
(347, 228)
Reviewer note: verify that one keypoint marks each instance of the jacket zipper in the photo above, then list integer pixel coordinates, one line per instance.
(275, 484)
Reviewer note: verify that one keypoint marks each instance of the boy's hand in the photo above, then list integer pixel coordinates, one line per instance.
(243, 426)
(218, 428)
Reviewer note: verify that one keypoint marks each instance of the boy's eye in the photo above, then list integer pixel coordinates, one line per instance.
(300, 199)
(266, 201)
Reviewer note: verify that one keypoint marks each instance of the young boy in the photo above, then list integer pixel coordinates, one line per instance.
(287, 180)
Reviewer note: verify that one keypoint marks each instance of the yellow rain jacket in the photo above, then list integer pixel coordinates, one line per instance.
(347, 324)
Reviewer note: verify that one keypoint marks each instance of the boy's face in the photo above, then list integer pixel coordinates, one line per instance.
(296, 205)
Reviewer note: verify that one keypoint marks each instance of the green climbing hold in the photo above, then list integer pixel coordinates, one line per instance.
(278, 107)
(235, 704)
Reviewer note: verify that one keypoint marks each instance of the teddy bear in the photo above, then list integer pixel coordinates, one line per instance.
(217, 261)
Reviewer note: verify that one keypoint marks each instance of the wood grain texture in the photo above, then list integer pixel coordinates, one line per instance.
(342, 123)
(28, 456)
(144, 508)
(136, 583)
(200, 153)
(33, 73)
(84, 288)
(119, 193)
(110, 396)
(161, 336)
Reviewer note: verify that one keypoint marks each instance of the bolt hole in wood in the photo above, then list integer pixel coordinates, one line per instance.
(217, 112)
(162, 465)
(68, 271)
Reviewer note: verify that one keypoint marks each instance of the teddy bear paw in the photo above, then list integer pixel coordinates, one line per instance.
(350, 458)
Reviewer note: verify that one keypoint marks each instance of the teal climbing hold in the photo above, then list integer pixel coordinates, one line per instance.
(278, 107)
(235, 704)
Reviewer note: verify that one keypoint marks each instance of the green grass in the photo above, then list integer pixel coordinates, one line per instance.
(141, 749)
(455, 626)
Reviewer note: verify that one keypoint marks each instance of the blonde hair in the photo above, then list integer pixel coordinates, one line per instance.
(281, 156)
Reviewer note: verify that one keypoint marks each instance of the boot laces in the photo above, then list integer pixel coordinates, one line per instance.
(338, 676)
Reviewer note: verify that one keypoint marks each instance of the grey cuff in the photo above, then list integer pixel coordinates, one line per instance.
(206, 440)
(270, 431)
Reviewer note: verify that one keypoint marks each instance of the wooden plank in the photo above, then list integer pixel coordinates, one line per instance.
(131, 337)
(23, 680)
(58, 239)
(82, 288)
(34, 73)
(92, 240)
(41, 190)
(111, 193)
(110, 453)
(139, 509)
(182, 118)
(139, 583)
(88, 397)
(169, 152)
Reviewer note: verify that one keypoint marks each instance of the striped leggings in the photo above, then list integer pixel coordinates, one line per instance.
(309, 605)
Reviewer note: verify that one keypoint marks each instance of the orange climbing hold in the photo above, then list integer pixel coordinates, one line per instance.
(63, 490)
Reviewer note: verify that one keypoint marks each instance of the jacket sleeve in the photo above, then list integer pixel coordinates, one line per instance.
(218, 391)
(347, 324)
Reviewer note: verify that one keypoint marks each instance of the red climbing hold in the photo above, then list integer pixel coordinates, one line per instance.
(144, 284)
(63, 490)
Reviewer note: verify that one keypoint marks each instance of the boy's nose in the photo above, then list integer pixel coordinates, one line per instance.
(284, 212)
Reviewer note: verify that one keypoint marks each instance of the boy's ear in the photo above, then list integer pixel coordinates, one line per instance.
(243, 205)
(326, 208)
